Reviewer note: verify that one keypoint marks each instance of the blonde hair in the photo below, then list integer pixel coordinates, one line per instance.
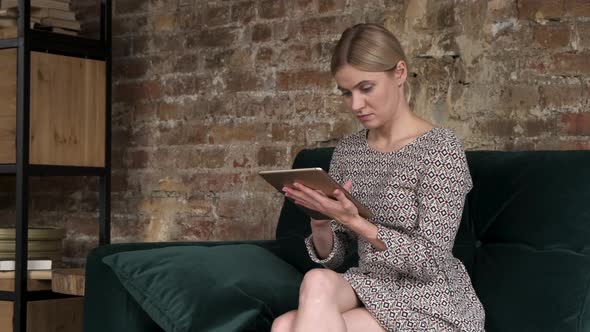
(369, 47)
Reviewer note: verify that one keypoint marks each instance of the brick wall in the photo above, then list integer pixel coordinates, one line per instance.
(207, 93)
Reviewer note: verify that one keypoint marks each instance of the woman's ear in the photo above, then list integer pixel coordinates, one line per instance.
(401, 72)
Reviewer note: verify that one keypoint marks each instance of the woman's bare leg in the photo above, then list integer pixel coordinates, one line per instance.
(284, 323)
(323, 297)
(360, 320)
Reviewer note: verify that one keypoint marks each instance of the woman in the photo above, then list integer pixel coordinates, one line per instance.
(414, 178)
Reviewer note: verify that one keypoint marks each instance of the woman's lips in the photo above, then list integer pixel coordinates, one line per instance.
(363, 117)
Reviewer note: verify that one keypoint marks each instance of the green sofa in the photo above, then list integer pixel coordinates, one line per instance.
(524, 238)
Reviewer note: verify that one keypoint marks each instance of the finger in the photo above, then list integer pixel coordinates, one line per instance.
(347, 185)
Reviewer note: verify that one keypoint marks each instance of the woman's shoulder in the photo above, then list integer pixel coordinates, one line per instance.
(353, 140)
(444, 141)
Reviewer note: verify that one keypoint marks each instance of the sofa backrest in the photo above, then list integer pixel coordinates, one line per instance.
(524, 237)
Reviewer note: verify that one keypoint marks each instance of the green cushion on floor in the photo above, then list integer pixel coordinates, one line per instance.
(222, 288)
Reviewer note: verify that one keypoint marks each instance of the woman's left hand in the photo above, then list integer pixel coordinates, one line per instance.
(341, 208)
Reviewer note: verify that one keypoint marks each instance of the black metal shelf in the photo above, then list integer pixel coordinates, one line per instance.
(7, 169)
(8, 43)
(55, 170)
(28, 41)
(51, 42)
(38, 295)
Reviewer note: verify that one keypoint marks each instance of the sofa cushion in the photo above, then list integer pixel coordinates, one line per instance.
(195, 288)
(525, 239)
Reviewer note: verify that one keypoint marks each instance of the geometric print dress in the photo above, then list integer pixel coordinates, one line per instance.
(417, 196)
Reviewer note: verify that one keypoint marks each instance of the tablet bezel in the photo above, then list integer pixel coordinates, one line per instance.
(315, 178)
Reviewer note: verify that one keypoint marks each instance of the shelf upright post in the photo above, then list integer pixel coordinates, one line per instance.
(105, 179)
(22, 165)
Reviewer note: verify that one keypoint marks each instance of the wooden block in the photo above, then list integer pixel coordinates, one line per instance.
(60, 315)
(8, 106)
(67, 110)
(68, 281)
(32, 285)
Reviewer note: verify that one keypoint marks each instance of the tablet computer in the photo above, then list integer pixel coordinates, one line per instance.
(314, 178)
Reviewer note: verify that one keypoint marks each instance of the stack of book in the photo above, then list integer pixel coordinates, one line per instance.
(44, 247)
(48, 15)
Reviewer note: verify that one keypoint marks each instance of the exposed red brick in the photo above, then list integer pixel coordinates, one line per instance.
(264, 55)
(145, 112)
(576, 124)
(135, 92)
(570, 63)
(261, 33)
(547, 9)
(130, 6)
(584, 145)
(213, 38)
(330, 25)
(302, 80)
(535, 127)
(138, 159)
(183, 135)
(498, 127)
(225, 134)
(244, 81)
(296, 55)
(217, 16)
(272, 156)
(520, 96)
(191, 229)
(182, 85)
(331, 5)
(215, 182)
(130, 68)
(201, 158)
(187, 63)
(243, 12)
(552, 36)
(167, 111)
(271, 8)
(577, 8)
(583, 29)
(561, 95)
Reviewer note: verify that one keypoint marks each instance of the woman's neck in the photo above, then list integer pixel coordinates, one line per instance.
(403, 128)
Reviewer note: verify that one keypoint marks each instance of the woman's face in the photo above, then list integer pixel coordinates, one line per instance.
(374, 97)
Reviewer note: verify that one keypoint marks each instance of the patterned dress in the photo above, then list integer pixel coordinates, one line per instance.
(416, 195)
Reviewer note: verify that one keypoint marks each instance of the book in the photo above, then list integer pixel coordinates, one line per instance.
(12, 12)
(6, 22)
(58, 23)
(34, 274)
(53, 13)
(32, 264)
(38, 4)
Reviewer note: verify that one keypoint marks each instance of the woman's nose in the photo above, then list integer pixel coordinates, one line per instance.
(358, 102)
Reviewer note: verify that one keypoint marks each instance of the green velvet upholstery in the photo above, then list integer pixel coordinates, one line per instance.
(524, 238)
(182, 287)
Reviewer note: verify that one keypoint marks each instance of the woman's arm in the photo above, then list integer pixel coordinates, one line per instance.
(322, 237)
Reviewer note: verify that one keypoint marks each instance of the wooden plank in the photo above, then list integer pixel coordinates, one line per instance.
(60, 315)
(67, 110)
(68, 281)
(8, 106)
(32, 285)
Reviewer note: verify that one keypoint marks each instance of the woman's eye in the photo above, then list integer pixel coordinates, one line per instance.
(366, 89)
(346, 93)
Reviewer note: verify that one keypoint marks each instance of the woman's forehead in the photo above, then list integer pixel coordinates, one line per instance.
(347, 77)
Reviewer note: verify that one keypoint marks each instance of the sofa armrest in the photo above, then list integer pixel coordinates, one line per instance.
(107, 304)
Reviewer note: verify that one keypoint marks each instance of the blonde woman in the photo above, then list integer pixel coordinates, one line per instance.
(413, 176)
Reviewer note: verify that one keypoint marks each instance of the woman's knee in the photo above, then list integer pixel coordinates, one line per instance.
(284, 323)
(319, 283)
